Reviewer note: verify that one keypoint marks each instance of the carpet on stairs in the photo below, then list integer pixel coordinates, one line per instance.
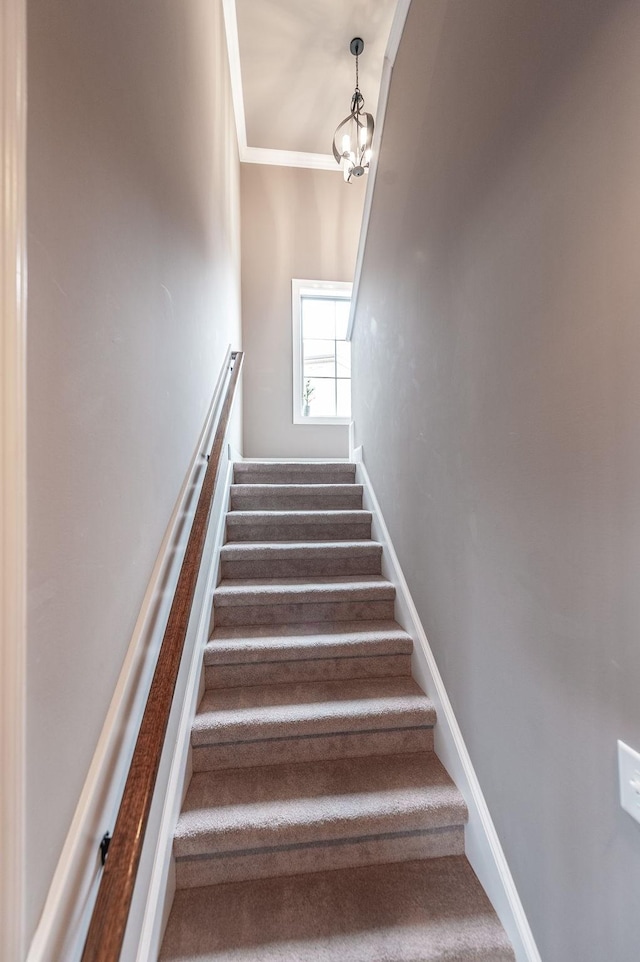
(319, 823)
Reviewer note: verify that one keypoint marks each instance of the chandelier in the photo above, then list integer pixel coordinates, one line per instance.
(352, 139)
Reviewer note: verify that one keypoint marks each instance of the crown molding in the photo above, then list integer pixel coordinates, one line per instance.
(288, 158)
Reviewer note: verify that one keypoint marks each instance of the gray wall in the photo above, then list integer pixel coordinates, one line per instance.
(295, 223)
(133, 211)
(497, 396)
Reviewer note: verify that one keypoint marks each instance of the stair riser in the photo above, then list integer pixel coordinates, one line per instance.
(302, 567)
(321, 669)
(265, 501)
(277, 751)
(233, 615)
(309, 531)
(192, 872)
(287, 476)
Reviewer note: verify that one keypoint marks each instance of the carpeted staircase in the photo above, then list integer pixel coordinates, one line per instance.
(318, 823)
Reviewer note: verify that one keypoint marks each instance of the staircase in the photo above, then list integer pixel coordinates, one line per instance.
(318, 823)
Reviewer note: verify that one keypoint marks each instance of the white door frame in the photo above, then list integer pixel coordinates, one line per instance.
(12, 474)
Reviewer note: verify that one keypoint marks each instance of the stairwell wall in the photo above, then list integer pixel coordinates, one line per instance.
(295, 223)
(496, 394)
(134, 292)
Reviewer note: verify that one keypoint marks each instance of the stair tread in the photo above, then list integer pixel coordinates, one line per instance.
(348, 467)
(432, 910)
(267, 550)
(254, 584)
(296, 487)
(321, 628)
(302, 803)
(306, 641)
(270, 711)
(325, 588)
(316, 515)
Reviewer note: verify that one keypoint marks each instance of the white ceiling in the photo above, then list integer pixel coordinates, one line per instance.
(293, 74)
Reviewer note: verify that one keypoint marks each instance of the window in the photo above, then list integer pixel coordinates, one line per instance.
(321, 352)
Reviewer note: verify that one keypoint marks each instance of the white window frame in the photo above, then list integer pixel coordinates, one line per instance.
(299, 289)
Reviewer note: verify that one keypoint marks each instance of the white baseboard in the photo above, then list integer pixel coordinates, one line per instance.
(62, 927)
(482, 844)
(352, 440)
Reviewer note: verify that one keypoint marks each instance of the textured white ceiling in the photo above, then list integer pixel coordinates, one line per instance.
(297, 72)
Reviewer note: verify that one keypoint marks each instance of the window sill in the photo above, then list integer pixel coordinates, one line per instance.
(299, 419)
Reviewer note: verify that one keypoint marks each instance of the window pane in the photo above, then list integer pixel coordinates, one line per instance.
(322, 403)
(319, 359)
(318, 317)
(342, 318)
(344, 358)
(326, 355)
(344, 398)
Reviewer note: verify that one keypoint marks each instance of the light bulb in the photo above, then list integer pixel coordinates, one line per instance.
(346, 144)
(367, 155)
(362, 135)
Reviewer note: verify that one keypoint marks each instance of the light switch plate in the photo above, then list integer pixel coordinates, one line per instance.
(629, 771)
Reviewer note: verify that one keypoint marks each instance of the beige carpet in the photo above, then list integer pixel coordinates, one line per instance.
(318, 824)
(410, 912)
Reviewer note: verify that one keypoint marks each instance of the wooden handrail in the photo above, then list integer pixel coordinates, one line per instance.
(110, 913)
